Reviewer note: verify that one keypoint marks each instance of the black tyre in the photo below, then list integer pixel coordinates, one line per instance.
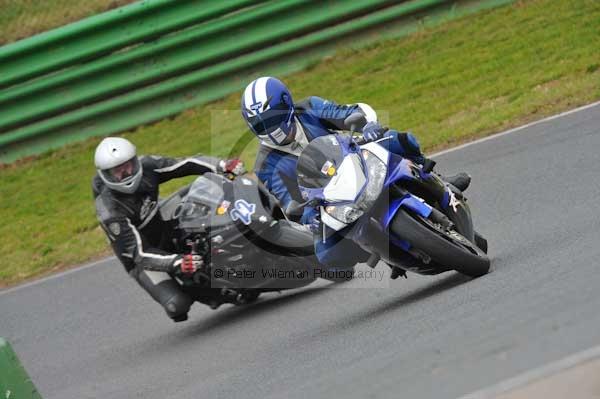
(446, 248)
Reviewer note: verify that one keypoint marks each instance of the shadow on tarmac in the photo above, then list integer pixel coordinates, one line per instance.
(383, 309)
(222, 318)
(225, 318)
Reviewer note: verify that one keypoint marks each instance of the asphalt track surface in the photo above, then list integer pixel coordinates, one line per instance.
(93, 333)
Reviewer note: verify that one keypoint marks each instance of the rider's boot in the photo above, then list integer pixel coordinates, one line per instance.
(459, 180)
(166, 291)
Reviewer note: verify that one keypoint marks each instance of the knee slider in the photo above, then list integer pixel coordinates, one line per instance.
(178, 304)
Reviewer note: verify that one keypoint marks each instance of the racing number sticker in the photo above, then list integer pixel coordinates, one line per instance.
(243, 211)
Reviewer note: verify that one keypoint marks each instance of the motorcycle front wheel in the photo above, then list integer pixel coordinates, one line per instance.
(445, 247)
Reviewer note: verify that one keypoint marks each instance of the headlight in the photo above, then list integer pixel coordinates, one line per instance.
(377, 171)
(344, 213)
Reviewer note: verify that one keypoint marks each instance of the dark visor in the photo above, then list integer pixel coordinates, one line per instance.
(270, 120)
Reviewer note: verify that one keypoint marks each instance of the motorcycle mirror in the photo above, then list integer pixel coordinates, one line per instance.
(354, 120)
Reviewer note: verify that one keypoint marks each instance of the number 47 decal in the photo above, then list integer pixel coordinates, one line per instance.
(243, 211)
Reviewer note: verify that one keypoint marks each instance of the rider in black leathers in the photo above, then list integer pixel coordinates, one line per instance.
(127, 208)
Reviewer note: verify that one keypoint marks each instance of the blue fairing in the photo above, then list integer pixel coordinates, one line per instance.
(399, 169)
(408, 201)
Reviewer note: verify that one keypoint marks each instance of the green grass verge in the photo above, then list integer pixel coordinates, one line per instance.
(453, 83)
(24, 18)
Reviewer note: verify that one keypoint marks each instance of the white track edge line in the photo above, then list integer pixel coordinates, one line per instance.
(57, 275)
(515, 129)
(536, 374)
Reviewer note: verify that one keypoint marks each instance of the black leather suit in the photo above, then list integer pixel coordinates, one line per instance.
(140, 239)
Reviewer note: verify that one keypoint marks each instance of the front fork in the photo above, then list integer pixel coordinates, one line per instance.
(450, 200)
(454, 213)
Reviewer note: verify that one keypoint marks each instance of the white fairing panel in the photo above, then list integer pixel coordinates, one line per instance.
(378, 151)
(348, 181)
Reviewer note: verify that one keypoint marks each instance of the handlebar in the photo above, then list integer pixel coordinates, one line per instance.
(428, 164)
(360, 140)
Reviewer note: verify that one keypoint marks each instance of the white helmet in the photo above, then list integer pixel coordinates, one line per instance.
(118, 165)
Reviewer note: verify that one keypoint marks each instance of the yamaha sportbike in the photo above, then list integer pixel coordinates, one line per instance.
(395, 209)
(239, 230)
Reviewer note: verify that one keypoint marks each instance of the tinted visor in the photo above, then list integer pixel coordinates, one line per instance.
(270, 120)
(121, 173)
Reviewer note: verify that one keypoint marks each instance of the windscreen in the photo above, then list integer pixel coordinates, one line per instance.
(319, 162)
(206, 191)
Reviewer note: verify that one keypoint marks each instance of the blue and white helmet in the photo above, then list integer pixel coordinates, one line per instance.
(268, 109)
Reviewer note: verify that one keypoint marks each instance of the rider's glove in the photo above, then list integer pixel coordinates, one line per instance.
(188, 264)
(373, 131)
(234, 166)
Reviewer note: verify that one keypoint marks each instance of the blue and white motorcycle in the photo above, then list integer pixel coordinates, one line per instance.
(398, 211)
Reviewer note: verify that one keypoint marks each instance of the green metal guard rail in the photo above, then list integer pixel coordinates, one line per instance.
(106, 32)
(205, 45)
(152, 59)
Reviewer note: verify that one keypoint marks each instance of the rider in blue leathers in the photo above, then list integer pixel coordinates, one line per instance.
(284, 128)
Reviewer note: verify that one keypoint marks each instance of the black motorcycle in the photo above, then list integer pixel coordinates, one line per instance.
(244, 238)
